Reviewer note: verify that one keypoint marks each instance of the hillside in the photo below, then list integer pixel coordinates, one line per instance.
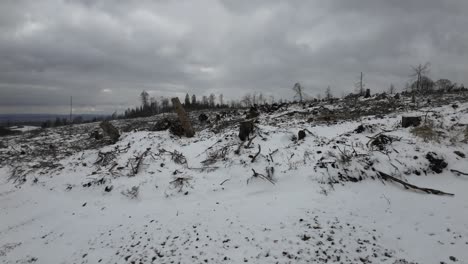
(336, 196)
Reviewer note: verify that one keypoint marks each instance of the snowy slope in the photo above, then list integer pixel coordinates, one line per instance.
(318, 208)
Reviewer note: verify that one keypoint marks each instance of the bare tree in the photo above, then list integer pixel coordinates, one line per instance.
(297, 88)
(221, 99)
(418, 73)
(254, 99)
(328, 93)
(391, 90)
(360, 86)
(212, 100)
(443, 85)
(154, 105)
(261, 99)
(165, 104)
(247, 100)
(144, 97)
(205, 100)
(272, 99)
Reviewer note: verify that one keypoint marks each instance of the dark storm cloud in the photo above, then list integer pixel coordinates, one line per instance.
(104, 53)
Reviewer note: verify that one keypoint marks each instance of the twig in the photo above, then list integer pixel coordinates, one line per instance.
(271, 155)
(136, 169)
(255, 174)
(210, 147)
(238, 149)
(459, 172)
(224, 181)
(258, 153)
(387, 177)
(250, 142)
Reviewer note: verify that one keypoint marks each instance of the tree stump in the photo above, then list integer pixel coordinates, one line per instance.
(183, 117)
(367, 93)
(110, 131)
(245, 128)
(407, 121)
(301, 134)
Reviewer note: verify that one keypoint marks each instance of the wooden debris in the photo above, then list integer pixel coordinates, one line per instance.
(258, 153)
(387, 177)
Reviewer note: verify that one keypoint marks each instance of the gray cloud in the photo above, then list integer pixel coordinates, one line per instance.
(104, 53)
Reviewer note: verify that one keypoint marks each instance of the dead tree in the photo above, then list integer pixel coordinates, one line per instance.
(298, 90)
(418, 73)
(360, 85)
(183, 117)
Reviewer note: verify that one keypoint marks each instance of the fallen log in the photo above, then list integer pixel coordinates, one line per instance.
(387, 177)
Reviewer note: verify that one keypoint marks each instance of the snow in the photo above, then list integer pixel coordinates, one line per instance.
(217, 217)
(23, 128)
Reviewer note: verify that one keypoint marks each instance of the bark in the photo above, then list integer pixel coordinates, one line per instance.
(183, 117)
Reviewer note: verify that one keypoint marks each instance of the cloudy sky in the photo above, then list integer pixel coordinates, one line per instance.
(105, 52)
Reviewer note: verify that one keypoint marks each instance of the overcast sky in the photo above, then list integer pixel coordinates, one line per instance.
(104, 53)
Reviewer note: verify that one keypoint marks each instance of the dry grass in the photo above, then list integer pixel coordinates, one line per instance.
(427, 133)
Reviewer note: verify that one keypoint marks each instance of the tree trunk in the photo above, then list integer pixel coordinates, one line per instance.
(245, 129)
(183, 117)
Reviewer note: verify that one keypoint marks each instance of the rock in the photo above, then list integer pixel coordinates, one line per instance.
(407, 121)
(202, 117)
(245, 129)
(301, 134)
(436, 163)
(397, 96)
(109, 188)
(459, 154)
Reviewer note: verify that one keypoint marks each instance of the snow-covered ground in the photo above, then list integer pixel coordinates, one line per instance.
(194, 200)
(23, 128)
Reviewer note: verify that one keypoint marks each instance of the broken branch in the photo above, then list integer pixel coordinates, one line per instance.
(387, 177)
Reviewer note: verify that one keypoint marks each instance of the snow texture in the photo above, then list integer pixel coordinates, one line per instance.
(195, 200)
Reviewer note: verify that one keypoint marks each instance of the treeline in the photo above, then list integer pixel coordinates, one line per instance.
(58, 122)
(152, 106)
